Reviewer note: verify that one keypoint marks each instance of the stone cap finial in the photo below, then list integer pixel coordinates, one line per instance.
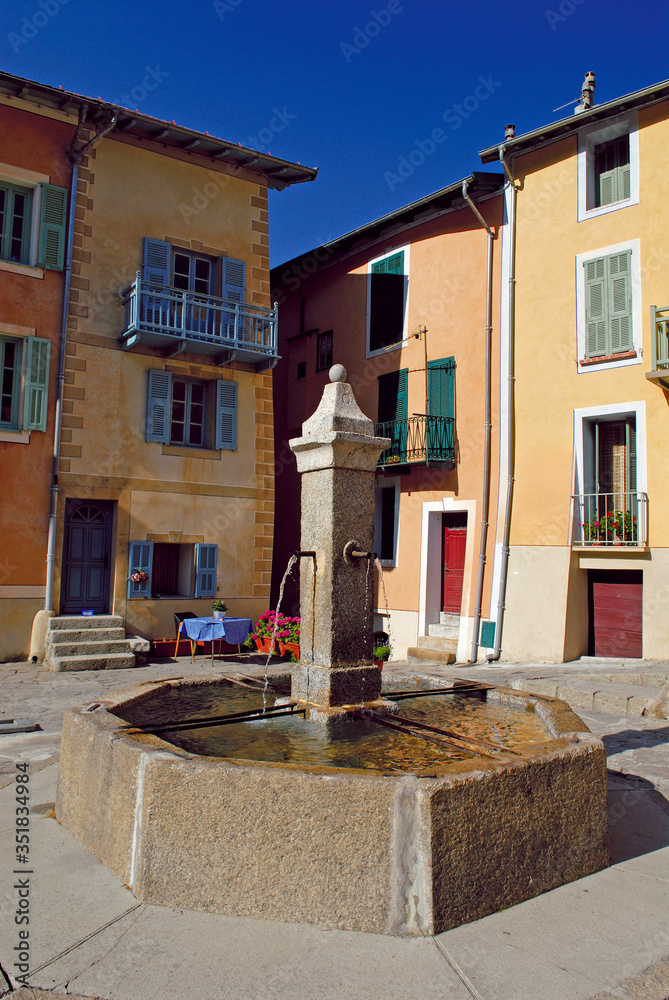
(337, 373)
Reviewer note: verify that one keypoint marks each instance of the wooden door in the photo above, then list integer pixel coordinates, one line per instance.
(616, 612)
(455, 543)
(86, 557)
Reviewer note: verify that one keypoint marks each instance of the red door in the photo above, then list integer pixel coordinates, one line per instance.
(616, 614)
(455, 541)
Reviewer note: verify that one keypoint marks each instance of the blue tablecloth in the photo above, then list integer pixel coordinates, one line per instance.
(233, 630)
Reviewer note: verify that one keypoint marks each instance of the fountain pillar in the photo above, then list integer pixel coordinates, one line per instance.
(337, 457)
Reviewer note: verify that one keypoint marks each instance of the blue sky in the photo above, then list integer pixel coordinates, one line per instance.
(351, 87)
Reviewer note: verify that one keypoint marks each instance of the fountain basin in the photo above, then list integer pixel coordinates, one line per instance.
(352, 849)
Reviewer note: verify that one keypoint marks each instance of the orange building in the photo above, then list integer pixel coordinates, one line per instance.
(408, 304)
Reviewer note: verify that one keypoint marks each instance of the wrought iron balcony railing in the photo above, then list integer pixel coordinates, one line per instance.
(417, 439)
(177, 320)
(611, 519)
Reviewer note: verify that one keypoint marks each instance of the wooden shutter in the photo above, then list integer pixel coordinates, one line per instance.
(159, 398)
(156, 263)
(226, 415)
(140, 558)
(234, 279)
(393, 395)
(631, 454)
(53, 227)
(441, 387)
(620, 301)
(206, 557)
(595, 307)
(37, 384)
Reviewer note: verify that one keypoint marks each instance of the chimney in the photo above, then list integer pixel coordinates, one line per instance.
(587, 94)
(509, 132)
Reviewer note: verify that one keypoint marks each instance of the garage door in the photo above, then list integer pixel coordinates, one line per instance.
(616, 612)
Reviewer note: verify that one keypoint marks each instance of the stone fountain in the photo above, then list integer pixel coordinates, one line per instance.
(405, 850)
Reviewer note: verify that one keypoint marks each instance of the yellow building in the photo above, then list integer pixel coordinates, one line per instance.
(164, 428)
(584, 280)
(408, 305)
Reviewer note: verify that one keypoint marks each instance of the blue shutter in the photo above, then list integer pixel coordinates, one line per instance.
(226, 415)
(140, 558)
(156, 263)
(37, 384)
(158, 406)
(206, 557)
(52, 230)
(234, 279)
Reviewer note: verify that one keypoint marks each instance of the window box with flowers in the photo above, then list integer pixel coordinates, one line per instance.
(276, 632)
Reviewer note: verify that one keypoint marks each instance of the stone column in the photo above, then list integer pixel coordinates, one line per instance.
(337, 457)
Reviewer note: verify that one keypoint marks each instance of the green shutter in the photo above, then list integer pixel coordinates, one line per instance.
(595, 307)
(441, 387)
(37, 384)
(140, 558)
(631, 454)
(53, 227)
(620, 302)
(226, 415)
(206, 557)
(390, 265)
(158, 406)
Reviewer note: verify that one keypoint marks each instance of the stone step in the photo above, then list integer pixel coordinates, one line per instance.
(643, 678)
(430, 655)
(448, 643)
(85, 648)
(84, 635)
(449, 618)
(612, 699)
(444, 631)
(108, 661)
(85, 622)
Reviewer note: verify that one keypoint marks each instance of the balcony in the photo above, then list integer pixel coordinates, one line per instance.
(659, 328)
(175, 321)
(611, 519)
(418, 439)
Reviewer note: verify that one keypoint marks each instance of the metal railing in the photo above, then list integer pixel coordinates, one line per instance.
(172, 313)
(417, 439)
(659, 328)
(610, 519)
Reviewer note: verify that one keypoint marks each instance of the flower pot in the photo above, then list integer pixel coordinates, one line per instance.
(291, 647)
(220, 615)
(265, 644)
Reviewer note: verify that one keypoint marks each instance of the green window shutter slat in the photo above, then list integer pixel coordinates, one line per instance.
(595, 307)
(607, 187)
(159, 397)
(140, 557)
(156, 262)
(234, 279)
(631, 454)
(620, 302)
(52, 229)
(206, 559)
(441, 387)
(226, 415)
(37, 384)
(624, 190)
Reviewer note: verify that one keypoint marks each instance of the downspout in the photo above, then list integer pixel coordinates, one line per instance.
(504, 563)
(485, 507)
(75, 156)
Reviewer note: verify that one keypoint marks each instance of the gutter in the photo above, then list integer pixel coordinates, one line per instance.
(485, 512)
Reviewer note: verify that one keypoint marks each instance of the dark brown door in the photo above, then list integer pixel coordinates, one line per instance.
(616, 612)
(86, 554)
(455, 542)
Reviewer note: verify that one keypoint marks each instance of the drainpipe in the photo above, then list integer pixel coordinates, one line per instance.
(473, 656)
(75, 155)
(504, 564)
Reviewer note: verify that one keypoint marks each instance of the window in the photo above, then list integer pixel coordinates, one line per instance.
(301, 369)
(386, 521)
(23, 243)
(608, 167)
(608, 313)
(387, 301)
(191, 413)
(392, 415)
(324, 351)
(176, 570)
(24, 383)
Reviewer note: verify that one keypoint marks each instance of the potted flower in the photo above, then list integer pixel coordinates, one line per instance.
(288, 634)
(381, 653)
(263, 632)
(592, 530)
(219, 609)
(139, 576)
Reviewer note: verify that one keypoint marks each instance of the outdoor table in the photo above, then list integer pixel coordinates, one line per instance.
(233, 630)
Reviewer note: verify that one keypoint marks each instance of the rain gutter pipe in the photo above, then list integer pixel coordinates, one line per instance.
(75, 156)
(488, 426)
(504, 564)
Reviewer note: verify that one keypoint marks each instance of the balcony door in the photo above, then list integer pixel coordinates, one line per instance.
(194, 273)
(393, 415)
(86, 556)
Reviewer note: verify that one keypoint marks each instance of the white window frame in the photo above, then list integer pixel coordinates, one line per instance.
(637, 331)
(588, 139)
(613, 411)
(381, 484)
(405, 334)
(30, 180)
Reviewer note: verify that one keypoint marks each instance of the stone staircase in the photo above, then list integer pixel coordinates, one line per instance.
(440, 645)
(79, 643)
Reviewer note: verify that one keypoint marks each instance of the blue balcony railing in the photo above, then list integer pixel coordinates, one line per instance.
(177, 320)
(417, 439)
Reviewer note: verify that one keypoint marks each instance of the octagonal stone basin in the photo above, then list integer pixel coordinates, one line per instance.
(389, 851)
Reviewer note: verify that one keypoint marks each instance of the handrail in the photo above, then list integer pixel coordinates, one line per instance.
(616, 518)
(420, 438)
